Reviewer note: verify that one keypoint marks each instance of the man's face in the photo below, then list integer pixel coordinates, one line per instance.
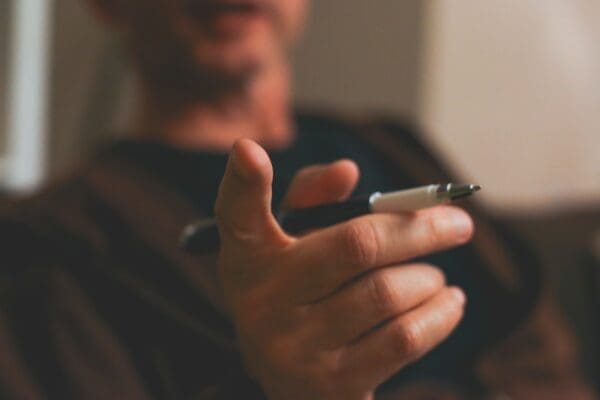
(176, 42)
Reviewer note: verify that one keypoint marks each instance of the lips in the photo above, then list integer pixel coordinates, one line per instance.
(209, 9)
(229, 18)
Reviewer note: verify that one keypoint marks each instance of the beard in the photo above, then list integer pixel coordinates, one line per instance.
(178, 74)
(187, 63)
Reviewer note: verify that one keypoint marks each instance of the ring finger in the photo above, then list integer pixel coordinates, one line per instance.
(375, 298)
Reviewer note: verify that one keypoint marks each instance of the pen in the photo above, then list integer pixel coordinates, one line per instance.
(202, 236)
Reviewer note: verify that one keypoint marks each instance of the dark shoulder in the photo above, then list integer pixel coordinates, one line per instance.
(391, 135)
(404, 129)
(46, 227)
(36, 248)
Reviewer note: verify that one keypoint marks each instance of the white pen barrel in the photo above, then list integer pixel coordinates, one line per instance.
(406, 200)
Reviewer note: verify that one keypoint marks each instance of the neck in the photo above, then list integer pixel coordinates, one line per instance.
(261, 111)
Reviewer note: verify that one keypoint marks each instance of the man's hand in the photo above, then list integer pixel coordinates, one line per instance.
(334, 313)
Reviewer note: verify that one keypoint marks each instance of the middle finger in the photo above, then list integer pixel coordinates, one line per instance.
(326, 259)
(373, 299)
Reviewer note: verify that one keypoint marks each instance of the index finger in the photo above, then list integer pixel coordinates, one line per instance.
(325, 260)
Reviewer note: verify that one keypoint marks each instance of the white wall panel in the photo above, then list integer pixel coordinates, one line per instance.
(511, 89)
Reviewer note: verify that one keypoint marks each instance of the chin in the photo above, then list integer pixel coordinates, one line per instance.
(237, 54)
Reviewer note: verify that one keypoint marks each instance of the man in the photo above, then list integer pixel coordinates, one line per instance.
(99, 301)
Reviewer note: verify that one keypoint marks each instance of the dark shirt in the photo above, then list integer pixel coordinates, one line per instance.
(97, 299)
(318, 142)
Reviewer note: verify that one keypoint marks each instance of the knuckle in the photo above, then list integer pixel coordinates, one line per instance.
(407, 339)
(434, 232)
(381, 293)
(360, 243)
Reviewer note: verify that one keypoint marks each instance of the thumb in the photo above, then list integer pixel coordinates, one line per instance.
(243, 206)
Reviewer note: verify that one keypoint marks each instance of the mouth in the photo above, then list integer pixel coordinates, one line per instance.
(237, 6)
(228, 16)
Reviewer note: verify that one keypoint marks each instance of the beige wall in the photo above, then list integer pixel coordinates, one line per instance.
(362, 55)
(511, 90)
(79, 49)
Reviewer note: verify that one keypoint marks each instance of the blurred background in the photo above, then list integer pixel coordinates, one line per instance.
(508, 91)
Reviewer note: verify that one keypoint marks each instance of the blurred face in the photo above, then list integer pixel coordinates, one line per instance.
(203, 45)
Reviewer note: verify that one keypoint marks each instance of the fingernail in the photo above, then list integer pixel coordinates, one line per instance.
(458, 294)
(462, 225)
